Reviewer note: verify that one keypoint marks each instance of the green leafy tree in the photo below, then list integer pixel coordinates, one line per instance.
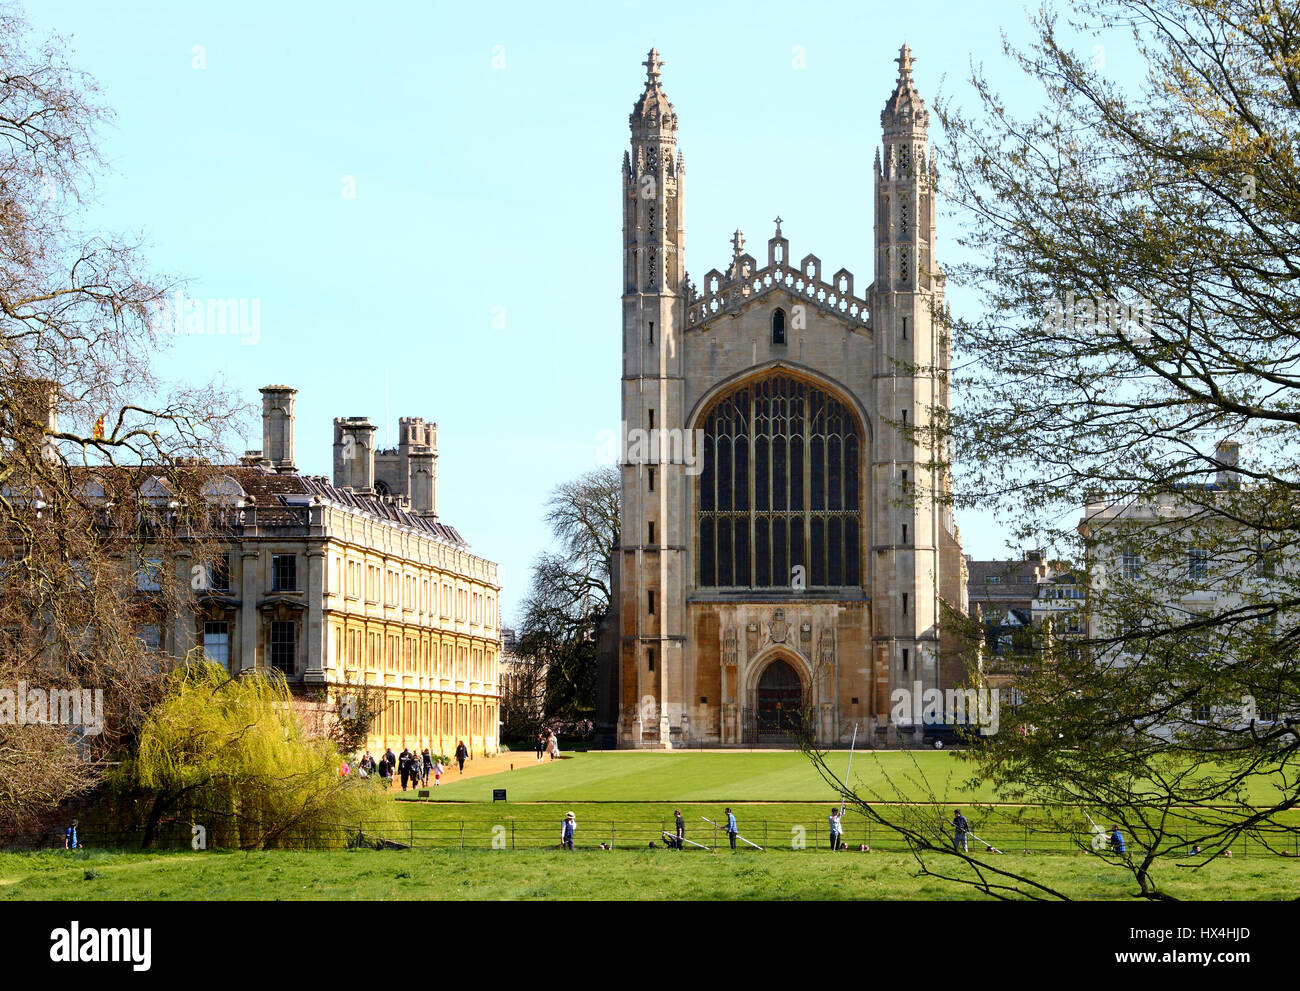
(1131, 351)
(230, 755)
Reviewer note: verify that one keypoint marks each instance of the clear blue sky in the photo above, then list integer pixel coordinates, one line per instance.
(480, 186)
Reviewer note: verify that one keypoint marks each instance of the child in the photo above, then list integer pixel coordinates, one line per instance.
(437, 773)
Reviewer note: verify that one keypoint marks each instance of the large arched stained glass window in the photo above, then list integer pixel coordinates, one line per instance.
(780, 489)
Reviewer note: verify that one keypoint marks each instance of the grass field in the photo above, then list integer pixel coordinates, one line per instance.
(592, 874)
(638, 776)
(463, 845)
(633, 776)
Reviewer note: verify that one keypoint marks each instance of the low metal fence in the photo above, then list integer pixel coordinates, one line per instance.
(1002, 832)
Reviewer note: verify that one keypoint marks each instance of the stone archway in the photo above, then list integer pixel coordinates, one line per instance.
(779, 702)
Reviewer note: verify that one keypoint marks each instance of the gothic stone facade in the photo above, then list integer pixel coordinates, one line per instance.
(796, 562)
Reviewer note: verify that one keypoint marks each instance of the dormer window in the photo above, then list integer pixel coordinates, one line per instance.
(778, 326)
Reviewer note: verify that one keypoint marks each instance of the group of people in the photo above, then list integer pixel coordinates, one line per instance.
(547, 743)
(413, 769)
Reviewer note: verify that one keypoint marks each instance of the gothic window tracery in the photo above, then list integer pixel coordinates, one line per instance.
(778, 326)
(779, 489)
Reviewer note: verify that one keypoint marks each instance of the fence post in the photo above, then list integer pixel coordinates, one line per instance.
(765, 834)
(512, 834)
(462, 835)
(412, 834)
(611, 834)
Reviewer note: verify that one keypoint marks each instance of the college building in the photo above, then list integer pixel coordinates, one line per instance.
(355, 580)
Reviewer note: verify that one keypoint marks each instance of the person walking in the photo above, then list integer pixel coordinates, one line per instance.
(681, 828)
(404, 766)
(732, 830)
(426, 765)
(367, 765)
(567, 828)
(541, 746)
(462, 752)
(437, 773)
(552, 747)
(837, 829)
(386, 765)
(70, 837)
(960, 827)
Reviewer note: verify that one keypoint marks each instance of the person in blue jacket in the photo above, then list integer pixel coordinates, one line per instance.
(70, 837)
(1116, 839)
(732, 830)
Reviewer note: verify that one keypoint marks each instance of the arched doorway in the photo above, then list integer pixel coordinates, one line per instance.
(779, 702)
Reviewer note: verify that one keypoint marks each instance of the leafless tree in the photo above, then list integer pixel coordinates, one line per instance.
(104, 527)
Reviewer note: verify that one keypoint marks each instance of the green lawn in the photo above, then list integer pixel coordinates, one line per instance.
(584, 874)
(463, 845)
(639, 776)
(711, 777)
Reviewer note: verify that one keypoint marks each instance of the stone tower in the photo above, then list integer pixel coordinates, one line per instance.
(651, 591)
(911, 358)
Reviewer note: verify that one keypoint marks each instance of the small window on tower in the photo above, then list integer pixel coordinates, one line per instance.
(651, 477)
(652, 419)
(904, 533)
(650, 659)
(778, 326)
(904, 329)
(650, 338)
(904, 603)
(904, 658)
(650, 603)
(652, 532)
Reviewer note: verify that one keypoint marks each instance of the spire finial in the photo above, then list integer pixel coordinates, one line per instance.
(904, 61)
(653, 64)
(778, 226)
(738, 243)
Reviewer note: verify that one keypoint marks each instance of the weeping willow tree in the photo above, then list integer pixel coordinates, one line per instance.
(231, 756)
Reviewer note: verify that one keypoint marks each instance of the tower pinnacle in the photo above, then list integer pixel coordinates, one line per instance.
(904, 61)
(905, 103)
(653, 108)
(652, 64)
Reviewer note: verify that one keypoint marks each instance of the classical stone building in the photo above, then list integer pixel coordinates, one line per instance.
(354, 580)
(785, 542)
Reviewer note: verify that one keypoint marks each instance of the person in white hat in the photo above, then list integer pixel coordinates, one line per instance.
(567, 828)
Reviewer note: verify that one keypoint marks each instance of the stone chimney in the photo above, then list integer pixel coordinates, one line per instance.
(1226, 453)
(354, 453)
(46, 403)
(418, 448)
(277, 427)
(424, 483)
